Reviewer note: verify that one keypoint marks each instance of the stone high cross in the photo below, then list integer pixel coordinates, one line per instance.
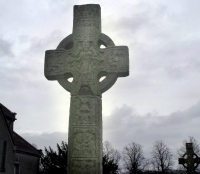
(190, 160)
(79, 56)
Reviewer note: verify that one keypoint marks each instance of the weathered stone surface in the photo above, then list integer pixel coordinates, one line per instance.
(79, 56)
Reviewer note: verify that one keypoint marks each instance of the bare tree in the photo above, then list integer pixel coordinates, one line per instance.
(162, 158)
(111, 159)
(134, 161)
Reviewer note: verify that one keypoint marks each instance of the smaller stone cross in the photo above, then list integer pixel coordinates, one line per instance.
(189, 160)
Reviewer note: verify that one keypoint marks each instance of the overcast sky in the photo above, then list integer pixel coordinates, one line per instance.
(159, 100)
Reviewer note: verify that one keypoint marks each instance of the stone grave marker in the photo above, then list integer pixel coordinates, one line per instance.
(190, 160)
(80, 57)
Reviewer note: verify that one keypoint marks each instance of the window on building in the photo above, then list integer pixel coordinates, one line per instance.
(16, 169)
(3, 156)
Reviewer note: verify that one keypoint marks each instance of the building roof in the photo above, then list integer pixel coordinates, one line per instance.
(21, 145)
(24, 146)
(7, 113)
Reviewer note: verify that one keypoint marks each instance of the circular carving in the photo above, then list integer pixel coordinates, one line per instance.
(68, 44)
(111, 78)
(196, 164)
(185, 156)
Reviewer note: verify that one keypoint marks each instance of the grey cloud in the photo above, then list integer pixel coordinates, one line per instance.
(26, 70)
(158, 37)
(5, 48)
(181, 59)
(36, 46)
(144, 16)
(124, 125)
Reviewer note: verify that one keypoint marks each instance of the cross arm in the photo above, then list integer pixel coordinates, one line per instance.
(116, 60)
(55, 64)
(183, 161)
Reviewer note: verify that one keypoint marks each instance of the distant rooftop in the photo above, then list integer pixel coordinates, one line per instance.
(23, 145)
(20, 143)
(7, 113)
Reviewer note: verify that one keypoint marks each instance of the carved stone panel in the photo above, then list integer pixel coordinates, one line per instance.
(87, 11)
(85, 62)
(84, 142)
(117, 60)
(55, 62)
(84, 166)
(87, 22)
(84, 110)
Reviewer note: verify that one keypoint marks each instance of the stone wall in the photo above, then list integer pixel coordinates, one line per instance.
(27, 164)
